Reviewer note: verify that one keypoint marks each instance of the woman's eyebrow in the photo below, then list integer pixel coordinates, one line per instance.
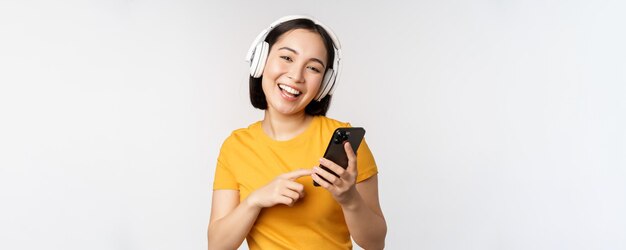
(296, 52)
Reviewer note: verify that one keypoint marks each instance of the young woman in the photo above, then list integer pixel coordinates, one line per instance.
(263, 189)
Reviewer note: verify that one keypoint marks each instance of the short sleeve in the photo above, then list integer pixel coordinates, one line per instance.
(224, 178)
(366, 165)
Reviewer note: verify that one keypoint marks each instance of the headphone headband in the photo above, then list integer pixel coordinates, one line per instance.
(257, 54)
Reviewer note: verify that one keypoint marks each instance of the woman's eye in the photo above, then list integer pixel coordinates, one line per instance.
(286, 58)
(314, 69)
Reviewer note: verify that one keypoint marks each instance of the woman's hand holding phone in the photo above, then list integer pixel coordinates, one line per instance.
(342, 187)
(282, 190)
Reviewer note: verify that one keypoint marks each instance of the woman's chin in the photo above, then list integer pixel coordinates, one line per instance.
(287, 108)
(288, 111)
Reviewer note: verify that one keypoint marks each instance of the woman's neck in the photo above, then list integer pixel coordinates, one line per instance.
(284, 127)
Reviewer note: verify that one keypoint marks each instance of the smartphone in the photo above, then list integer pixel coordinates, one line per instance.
(335, 150)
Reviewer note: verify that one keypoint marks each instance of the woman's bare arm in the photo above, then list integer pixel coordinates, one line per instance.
(365, 217)
(230, 220)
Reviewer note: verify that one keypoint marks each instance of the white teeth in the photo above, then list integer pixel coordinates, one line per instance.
(289, 89)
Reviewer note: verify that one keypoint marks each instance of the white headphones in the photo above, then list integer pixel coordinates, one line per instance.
(257, 55)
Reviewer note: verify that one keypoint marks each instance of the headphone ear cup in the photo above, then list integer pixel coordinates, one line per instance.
(258, 59)
(332, 82)
(327, 84)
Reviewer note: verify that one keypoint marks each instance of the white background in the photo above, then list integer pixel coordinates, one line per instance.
(495, 124)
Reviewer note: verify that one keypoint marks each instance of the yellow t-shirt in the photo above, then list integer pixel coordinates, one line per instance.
(249, 159)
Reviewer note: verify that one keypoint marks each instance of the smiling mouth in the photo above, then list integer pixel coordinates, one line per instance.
(289, 90)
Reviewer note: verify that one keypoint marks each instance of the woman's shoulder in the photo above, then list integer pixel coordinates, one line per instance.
(247, 130)
(332, 123)
(245, 133)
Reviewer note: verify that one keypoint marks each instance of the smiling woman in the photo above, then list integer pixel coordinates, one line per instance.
(263, 171)
(293, 72)
(329, 71)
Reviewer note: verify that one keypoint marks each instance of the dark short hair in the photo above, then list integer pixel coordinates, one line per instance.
(257, 97)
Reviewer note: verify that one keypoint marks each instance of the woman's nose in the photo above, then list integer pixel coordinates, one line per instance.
(296, 73)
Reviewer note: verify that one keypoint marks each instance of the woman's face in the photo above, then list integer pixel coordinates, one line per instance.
(294, 71)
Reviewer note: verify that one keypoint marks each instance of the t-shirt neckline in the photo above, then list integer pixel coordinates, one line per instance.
(297, 140)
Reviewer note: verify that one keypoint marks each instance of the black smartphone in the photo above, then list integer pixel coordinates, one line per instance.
(335, 151)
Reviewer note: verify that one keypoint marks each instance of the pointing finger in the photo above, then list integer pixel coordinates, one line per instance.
(297, 174)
